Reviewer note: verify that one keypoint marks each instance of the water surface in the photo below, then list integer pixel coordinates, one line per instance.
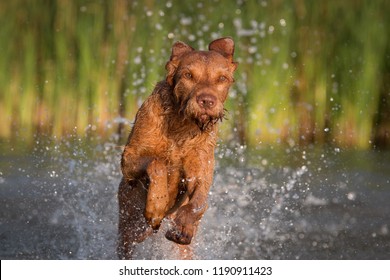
(58, 201)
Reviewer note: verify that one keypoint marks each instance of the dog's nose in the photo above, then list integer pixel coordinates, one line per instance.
(206, 101)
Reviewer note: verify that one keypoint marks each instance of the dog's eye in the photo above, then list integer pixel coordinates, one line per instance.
(222, 79)
(188, 75)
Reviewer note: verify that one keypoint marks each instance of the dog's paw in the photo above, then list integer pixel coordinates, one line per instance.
(180, 234)
(155, 211)
(153, 220)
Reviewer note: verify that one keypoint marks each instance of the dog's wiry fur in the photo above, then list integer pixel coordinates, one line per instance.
(168, 161)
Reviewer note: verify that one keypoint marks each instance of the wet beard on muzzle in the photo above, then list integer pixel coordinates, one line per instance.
(205, 121)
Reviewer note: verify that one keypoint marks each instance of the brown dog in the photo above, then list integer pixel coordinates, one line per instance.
(168, 161)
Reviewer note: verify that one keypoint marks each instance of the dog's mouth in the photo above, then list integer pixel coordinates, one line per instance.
(205, 120)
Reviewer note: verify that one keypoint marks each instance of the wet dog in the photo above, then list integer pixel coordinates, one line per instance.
(168, 161)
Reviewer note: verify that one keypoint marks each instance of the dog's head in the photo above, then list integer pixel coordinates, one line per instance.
(201, 80)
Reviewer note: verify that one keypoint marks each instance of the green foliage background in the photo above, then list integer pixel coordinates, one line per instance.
(310, 71)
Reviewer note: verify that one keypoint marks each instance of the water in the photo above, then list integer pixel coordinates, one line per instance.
(58, 201)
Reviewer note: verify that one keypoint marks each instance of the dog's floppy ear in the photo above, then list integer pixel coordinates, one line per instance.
(224, 46)
(178, 49)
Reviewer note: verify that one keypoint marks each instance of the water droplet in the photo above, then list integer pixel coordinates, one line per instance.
(351, 196)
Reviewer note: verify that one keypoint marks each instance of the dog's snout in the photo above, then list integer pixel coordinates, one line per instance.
(206, 101)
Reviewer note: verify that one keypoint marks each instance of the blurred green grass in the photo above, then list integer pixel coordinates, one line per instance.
(311, 72)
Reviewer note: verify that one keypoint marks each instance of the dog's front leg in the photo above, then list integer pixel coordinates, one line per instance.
(199, 179)
(158, 198)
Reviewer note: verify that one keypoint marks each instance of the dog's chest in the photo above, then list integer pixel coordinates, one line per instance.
(190, 144)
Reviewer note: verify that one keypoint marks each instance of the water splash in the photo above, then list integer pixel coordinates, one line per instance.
(60, 203)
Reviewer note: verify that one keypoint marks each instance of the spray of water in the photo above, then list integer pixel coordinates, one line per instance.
(60, 203)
